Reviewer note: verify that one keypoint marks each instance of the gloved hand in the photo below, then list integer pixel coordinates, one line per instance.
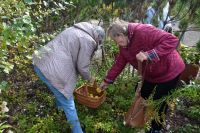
(103, 85)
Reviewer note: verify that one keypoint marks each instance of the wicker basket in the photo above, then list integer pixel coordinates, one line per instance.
(83, 96)
(190, 72)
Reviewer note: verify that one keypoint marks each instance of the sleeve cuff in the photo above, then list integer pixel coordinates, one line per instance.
(108, 81)
(152, 55)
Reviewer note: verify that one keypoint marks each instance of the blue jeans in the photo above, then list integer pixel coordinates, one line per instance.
(150, 14)
(67, 105)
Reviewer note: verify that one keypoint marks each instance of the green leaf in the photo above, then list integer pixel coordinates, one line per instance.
(3, 85)
(6, 66)
(28, 1)
(45, 3)
(29, 57)
(4, 126)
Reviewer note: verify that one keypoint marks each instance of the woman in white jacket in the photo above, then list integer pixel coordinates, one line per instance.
(65, 57)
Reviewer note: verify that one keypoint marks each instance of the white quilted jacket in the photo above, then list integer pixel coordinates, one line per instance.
(66, 56)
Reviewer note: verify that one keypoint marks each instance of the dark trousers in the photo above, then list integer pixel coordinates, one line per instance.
(160, 90)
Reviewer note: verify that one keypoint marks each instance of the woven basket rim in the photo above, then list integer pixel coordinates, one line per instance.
(80, 94)
(89, 101)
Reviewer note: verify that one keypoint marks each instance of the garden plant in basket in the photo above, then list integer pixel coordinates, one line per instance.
(90, 95)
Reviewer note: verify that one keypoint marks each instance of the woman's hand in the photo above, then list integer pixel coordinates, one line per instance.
(103, 85)
(141, 56)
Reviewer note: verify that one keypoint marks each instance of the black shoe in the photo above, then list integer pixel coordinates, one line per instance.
(153, 131)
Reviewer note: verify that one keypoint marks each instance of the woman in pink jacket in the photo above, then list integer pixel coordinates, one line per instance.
(143, 42)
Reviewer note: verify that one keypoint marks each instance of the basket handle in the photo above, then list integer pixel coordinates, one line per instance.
(141, 75)
(94, 84)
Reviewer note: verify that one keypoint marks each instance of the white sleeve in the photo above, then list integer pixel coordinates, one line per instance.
(86, 50)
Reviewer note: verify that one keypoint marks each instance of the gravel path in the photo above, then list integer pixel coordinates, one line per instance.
(190, 38)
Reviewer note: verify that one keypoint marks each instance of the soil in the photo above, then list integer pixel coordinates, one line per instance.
(176, 120)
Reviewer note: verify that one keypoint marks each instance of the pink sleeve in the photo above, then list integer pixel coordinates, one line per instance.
(117, 67)
(164, 44)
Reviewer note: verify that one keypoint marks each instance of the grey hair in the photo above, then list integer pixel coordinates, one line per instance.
(118, 27)
(101, 33)
(98, 29)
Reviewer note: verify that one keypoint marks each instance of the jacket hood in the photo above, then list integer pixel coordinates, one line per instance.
(88, 28)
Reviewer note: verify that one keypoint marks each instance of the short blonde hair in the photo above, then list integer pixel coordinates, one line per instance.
(118, 27)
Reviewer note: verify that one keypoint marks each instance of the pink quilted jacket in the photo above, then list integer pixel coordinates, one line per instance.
(165, 62)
